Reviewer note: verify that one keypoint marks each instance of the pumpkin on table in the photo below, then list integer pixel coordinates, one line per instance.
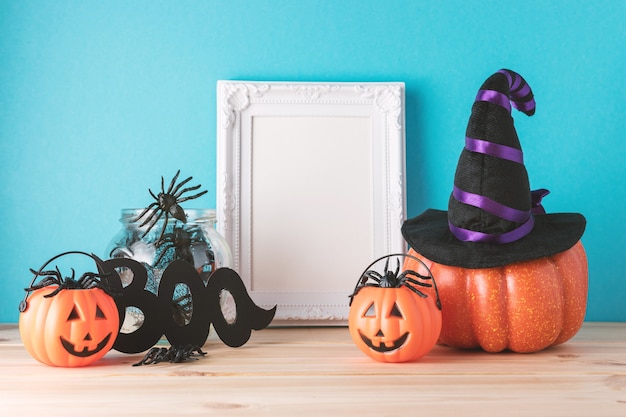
(66, 322)
(390, 319)
(510, 276)
(524, 307)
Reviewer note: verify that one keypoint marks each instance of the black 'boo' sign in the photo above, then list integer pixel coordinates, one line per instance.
(157, 308)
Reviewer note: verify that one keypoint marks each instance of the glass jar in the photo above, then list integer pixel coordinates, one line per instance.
(195, 241)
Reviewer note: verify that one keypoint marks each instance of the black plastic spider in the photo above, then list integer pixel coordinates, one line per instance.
(87, 281)
(182, 309)
(179, 239)
(174, 354)
(395, 279)
(168, 203)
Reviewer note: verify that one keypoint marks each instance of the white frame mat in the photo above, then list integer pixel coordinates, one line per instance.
(310, 189)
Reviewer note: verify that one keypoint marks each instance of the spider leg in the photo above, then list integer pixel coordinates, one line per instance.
(155, 212)
(198, 350)
(358, 288)
(184, 190)
(180, 354)
(182, 309)
(167, 238)
(193, 196)
(168, 354)
(386, 266)
(161, 255)
(416, 282)
(414, 273)
(163, 355)
(149, 358)
(397, 267)
(55, 292)
(149, 220)
(180, 184)
(153, 196)
(47, 281)
(415, 290)
(186, 353)
(421, 294)
(90, 280)
(171, 183)
(143, 213)
(55, 273)
(182, 298)
(167, 246)
(362, 281)
(373, 275)
(84, 279)
(169, 189)
(167, 217)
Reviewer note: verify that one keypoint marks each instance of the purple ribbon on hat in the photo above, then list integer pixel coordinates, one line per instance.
(467, 235)
(494, 149)
(518, 91)
(508, 213)
(490, 206)
(495, 97)
(517, 95)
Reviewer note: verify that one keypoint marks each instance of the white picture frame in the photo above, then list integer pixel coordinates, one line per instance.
(310, 189)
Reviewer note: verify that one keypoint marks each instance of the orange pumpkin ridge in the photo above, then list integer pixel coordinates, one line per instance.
(48, 321)
(396, 318)
(523, 307)
(377, 333)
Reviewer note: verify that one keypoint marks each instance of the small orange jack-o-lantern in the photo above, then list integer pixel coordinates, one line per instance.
(68, 323)
(391, 320)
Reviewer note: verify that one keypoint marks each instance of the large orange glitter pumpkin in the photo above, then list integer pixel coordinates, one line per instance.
(75, 327)
(523, 307)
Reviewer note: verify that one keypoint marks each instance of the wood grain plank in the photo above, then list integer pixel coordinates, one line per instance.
(319, 371)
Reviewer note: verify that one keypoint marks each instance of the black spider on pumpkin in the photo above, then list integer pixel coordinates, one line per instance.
(395, 279)
(87, 281)
(168, 203)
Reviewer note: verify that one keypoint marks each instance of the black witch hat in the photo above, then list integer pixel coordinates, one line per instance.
(493, 218)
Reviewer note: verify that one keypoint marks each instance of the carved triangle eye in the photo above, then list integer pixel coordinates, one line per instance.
(99, 313)
(395, 312)
(371, 311)
(73, 314)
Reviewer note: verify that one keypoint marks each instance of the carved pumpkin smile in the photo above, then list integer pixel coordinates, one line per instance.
(63, 330)
(395, 315)
(71, 348)
(65, 321)
(382, 347)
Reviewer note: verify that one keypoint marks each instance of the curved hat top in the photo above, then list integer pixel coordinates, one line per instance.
(493, 218)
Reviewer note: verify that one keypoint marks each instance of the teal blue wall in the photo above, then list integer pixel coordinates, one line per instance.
(99, 99)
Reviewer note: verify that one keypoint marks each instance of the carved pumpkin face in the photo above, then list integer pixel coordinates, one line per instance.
(393, 324)
(75, 327)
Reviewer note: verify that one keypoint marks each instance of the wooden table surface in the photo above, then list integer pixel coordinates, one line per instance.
(320, 372)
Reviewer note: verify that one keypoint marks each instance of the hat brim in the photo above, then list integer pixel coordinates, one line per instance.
(429, 235)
